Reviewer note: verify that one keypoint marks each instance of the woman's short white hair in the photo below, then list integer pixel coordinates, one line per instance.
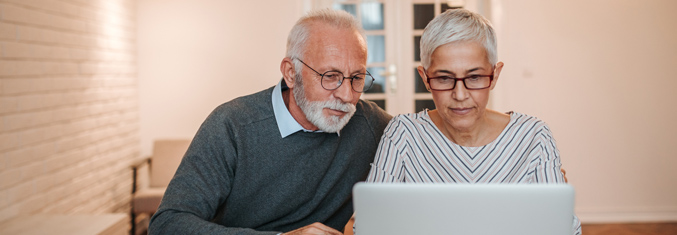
(457, 25)
(296, 42)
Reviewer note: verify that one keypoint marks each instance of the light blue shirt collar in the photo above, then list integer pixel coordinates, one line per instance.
(285, 122)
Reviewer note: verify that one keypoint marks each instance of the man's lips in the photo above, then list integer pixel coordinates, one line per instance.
(336, 112)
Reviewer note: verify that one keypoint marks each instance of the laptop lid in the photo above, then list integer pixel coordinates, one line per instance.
(387, 208)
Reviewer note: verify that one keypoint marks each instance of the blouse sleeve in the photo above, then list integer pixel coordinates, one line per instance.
(549, 167)
(387, 167)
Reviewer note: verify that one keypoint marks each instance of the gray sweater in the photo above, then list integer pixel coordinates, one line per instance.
(240, 177)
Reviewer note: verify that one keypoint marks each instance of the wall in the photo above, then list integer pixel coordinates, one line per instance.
(601, 74)
(196, 55)
(598, 72)
(68, 106)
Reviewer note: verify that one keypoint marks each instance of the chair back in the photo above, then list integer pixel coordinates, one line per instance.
(167, 155)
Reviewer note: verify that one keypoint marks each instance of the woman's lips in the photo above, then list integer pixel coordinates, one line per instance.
(461, 111)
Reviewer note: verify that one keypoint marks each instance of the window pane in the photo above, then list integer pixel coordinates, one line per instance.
(372, 15)
(419, 86)
(350, 8)
(379, 80)
(424, 104)
(417, 48)
(423, 13)
(380, 103)
(377, 48)
(446, 7)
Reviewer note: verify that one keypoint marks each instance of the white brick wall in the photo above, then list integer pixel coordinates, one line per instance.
(68, 106)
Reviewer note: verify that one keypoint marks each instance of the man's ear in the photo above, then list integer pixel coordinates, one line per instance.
(288, 71)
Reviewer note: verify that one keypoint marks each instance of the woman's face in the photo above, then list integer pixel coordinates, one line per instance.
(461, 108)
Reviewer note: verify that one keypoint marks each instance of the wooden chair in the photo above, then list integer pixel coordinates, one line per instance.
(151, 177)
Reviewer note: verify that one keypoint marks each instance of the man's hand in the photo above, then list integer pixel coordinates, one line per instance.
(314, 229)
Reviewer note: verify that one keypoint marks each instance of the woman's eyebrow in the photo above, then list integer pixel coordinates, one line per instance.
(474, 69)
(444, 71)
(452, 73)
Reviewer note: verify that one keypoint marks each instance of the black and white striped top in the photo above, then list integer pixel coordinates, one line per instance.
(413, 149)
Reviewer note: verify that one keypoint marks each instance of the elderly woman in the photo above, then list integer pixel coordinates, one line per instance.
(462, 141)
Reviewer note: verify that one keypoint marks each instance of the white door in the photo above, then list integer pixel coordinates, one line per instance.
(393, 29)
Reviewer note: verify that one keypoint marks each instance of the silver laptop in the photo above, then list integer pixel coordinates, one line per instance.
(431, 209)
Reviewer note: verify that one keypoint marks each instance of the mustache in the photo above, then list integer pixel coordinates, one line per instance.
(338, 105)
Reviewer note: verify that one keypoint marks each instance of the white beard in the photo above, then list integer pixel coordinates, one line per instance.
(313, 110)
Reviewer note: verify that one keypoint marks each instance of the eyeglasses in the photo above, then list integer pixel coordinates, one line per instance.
(332, 80)
(472, 82)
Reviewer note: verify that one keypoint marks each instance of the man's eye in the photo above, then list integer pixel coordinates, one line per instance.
(331, 76)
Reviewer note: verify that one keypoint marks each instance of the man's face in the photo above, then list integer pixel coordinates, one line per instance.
(330, 49)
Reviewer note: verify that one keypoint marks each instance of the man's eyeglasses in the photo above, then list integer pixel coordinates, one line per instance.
(332, 80)
(472, 82)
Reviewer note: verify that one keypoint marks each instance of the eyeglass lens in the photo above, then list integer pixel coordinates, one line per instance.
(473, 82)
(333, 80)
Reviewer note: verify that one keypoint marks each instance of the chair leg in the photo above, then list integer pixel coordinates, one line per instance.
(133, 216)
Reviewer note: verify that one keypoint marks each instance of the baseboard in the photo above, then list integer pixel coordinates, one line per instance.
(626, 215)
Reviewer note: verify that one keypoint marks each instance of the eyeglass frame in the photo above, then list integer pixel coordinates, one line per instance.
(491, 80)
(341, 80)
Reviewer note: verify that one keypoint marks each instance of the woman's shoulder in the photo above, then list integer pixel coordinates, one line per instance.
(525, 121)
(412, 117)
(408, 122)
(516, 117)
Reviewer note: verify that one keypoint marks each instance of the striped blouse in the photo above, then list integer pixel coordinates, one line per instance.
(413, 149)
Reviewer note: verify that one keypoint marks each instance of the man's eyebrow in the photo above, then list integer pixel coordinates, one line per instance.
(359, 71)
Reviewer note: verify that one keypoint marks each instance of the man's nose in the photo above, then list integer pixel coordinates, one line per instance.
(345, 91)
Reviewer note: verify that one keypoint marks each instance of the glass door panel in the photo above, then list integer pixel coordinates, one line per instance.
(379, 80)
(371, 15)
(423, 11)
(377, 49)
(393, 29)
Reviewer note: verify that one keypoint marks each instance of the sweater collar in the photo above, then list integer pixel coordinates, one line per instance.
(285, 122)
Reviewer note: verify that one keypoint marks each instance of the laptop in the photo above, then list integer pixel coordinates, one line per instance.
(431, 209)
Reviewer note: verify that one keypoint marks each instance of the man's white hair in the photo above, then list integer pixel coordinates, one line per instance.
(458, 25)
(296, 42)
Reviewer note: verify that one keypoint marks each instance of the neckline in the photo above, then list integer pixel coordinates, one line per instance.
(426, 117)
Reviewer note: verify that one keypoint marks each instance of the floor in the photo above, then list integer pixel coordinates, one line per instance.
(631, 229)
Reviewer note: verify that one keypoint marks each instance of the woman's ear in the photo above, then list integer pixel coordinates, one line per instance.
(288, 71)
(497, 72)
(424, 77)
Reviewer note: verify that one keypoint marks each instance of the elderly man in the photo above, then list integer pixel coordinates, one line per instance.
(283, 159)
